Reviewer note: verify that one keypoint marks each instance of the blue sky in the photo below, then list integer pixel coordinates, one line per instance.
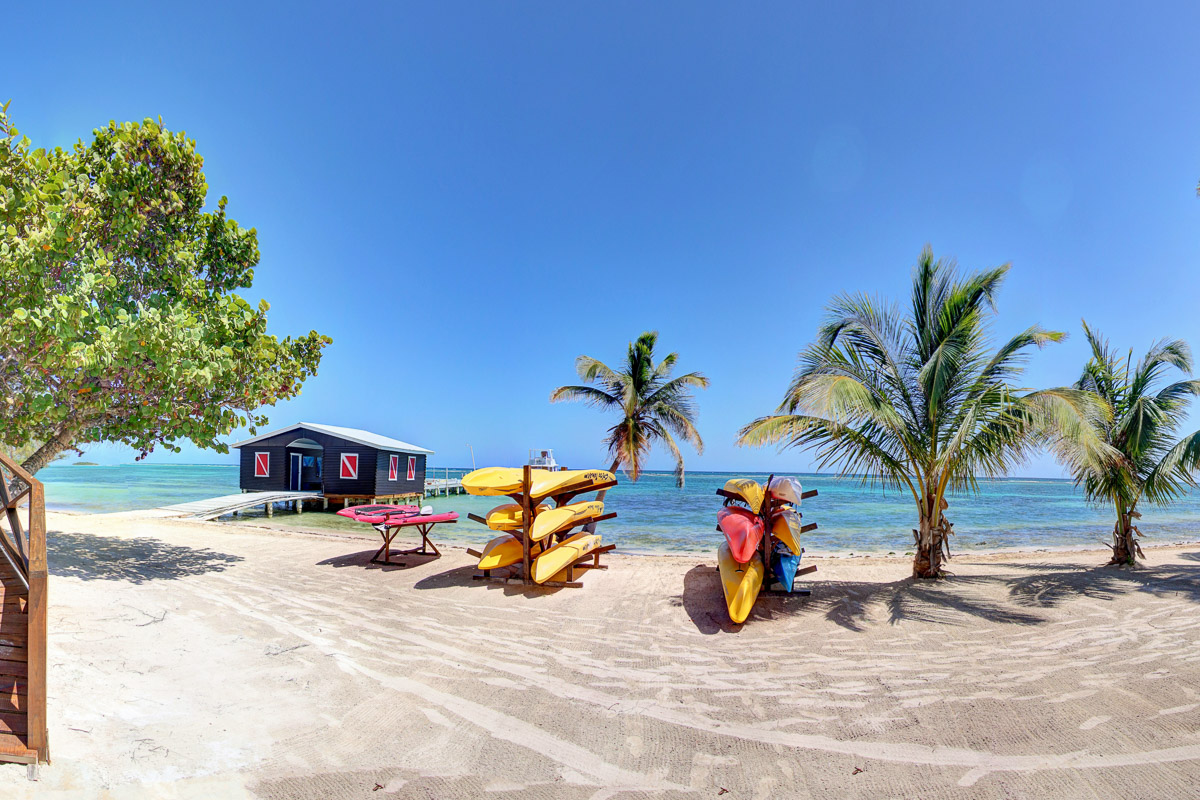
(467, 196)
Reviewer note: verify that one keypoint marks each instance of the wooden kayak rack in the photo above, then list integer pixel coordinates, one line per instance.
(767, 546)
(521, 574)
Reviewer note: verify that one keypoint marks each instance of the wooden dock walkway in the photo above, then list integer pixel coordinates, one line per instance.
(228, 504)
(446, 486)
(215, 507)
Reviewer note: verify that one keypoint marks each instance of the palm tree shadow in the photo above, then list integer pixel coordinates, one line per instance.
(137, 560)
(1053, 585)
(951, 601)
(853, 605)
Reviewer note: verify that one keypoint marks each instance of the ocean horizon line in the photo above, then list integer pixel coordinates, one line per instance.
(657, 472)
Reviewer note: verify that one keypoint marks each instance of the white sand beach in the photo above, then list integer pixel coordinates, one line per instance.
(198, 660)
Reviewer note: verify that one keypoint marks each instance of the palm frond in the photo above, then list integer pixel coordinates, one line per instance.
(588, 394)
(593, 370)
(1173, 475)
(652, 404)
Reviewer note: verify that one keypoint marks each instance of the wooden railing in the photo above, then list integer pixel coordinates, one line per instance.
(23, 545)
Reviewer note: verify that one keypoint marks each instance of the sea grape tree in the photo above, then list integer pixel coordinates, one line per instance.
(122, 320)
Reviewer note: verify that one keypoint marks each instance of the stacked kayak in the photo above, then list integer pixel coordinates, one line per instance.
(540, 540)
(762, 528)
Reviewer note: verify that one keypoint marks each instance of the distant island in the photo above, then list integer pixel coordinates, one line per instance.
(85, 464)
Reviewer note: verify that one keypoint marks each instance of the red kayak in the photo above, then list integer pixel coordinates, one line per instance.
(421, 519)
(743, 530)
(377, 514)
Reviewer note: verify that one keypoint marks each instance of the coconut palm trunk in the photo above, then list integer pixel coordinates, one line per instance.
(600, 495)
(1126, 549)
(931, 539)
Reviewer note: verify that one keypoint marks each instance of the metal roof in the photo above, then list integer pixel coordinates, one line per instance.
(349, 434)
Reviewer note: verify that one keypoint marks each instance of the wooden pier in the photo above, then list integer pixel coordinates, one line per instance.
(446, 486)
(244, 501)
(236, 503)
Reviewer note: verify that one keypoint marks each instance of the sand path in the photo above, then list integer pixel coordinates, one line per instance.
(198, 660)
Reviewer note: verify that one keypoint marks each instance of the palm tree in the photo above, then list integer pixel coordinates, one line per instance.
(920, 402)
(1141, 423)
(653, 406)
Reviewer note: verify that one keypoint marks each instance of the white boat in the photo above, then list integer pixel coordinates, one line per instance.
(543, 459)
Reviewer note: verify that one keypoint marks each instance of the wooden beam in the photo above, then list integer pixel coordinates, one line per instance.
(567, 497)
(526, 521)
(38, 737)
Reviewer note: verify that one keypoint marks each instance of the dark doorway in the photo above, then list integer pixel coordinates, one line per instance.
(294, 472)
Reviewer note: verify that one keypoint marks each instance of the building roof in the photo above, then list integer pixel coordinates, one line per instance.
(349, 434)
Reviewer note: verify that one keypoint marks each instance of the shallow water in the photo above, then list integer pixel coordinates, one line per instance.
(656, 517)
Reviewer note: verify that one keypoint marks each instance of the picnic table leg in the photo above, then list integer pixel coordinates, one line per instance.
(425, 529)
(388, 534)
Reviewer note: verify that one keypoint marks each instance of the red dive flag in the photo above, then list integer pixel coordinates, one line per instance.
(393, 467)
(349, 466)
(412, 468)
(262, 465)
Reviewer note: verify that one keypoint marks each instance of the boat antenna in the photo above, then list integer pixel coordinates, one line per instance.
(472, 449)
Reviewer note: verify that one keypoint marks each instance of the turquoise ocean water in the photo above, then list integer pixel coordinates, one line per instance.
(654, 516)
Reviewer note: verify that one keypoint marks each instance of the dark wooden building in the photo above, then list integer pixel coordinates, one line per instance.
(345, 464)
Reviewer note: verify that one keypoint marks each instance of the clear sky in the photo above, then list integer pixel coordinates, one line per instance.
(466, 196)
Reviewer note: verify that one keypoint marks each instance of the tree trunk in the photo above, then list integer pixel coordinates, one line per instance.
(924, 562)
(591, 526)
(1126, 550)
(48, 451)
(930, 541)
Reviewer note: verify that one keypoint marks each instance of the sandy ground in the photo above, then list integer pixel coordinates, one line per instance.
(203, 661)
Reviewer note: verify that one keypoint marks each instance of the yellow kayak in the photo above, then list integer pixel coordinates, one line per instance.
(741, 583)
(551, 484)
(502, 481)
(496, 481)
(749, 490)
(786, 528)
(549, 563)
(509, 517)
(503, 551)
(553, 520)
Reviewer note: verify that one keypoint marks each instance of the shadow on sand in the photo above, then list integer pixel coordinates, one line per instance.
(464, 576)
(106, 558)
(362, 560)
(853, 604)
(704, 602)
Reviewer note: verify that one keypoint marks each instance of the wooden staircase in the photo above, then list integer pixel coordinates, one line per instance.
(23, 729)
(14, 668)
